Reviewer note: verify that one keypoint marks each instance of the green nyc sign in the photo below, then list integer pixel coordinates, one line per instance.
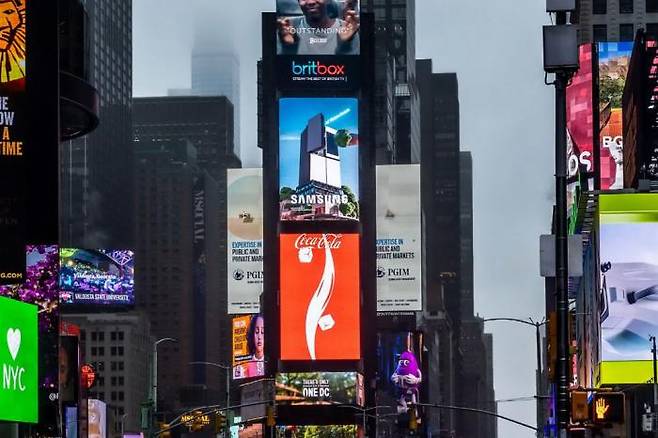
(19, 362)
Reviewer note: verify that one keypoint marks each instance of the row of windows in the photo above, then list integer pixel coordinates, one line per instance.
(100, 351)
(114, 396)
(626, 32)
(100, 336)
(625, 6)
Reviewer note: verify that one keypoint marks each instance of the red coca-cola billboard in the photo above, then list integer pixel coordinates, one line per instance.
(320, 306)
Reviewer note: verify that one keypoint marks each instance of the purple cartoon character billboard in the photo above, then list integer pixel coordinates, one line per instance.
(407, 378)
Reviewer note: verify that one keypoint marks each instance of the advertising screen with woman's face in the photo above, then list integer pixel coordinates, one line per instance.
(248, 346)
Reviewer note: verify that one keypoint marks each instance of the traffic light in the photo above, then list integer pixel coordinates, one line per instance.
(579, 407)
(166, 433)
(220, 422)
(271, 420)
(608, 407)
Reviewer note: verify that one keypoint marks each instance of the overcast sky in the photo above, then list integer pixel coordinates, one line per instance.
(506, 121)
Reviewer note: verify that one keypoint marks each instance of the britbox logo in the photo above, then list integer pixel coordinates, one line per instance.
(316, 68)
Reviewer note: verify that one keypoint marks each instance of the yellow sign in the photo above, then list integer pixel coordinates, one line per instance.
(196, 420)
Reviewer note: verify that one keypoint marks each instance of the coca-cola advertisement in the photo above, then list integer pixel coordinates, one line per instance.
(320, 304)
(318, 159)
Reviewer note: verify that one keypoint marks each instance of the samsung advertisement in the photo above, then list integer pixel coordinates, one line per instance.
(629, 283)
(318, 159)
(96, 277)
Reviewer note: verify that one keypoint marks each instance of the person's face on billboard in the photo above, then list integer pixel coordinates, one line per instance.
(10, 19)
(259, 338)
(314, 10)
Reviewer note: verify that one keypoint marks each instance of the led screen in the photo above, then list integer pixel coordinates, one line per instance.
(248, 346)
(19, 361)
(326, 431)
(614, 59)
(398, 239)
(68, 369)
(97, 418)
(40, 288)
(317, 388)
(71, 421)
(629, 282)
(319, 298)
(318, 159)
(13, 121)
(329, 27)
(245, 239)
(96, 277)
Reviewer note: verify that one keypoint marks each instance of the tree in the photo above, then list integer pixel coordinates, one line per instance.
(351, 207)
(286, 193)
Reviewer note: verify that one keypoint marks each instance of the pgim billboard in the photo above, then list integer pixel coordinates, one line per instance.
(319, 159)
(398, 238)
(318, 27)
(628, 238)
(244, 224)
(319, 297)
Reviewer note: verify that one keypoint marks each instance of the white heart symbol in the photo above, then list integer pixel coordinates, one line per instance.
(14, 342)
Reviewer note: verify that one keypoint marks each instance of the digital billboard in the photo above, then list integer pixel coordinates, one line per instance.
(322, 27)
(400, 362)
(19, 361)
(319, 297)
(13, 116)
(318, 159)
(248, 346)
(244, 225)
(68, 369)
(628, 238)
(614, 59)
(398, 238)
(97, 418)
(325, 431)
(317, 388)
(41, 289)
(96, 277)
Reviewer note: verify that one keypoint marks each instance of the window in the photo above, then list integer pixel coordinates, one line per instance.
(599, 7)
(94, 351)
(652, 29)
(652, 5)
(94, 336)
(113, 351)
(101, 336)
(600, 33)
(101, 351)
(113, 336)
(120, 351)
(625, 6)
(626, 32)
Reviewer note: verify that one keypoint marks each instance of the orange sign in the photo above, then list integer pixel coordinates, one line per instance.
(320, 304)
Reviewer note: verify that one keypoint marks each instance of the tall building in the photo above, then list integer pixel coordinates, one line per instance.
(395, 90)
(608, 20)
(181, 246)
(97, 201)
(441, 224)
(119, 347)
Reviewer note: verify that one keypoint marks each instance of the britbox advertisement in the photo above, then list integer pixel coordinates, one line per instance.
(318, 27)
(244, 224)
(318, 159)
(398, 238)
(319, 297)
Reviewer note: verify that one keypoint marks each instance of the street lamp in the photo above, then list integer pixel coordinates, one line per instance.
(536, 325)
(155, 371)
(228, 377)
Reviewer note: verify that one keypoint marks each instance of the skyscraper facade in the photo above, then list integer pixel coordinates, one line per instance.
(607, 20)
(97, 201)
(395, 90)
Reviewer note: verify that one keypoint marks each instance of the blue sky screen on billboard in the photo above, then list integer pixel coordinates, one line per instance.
(319, 159)
(96, 277)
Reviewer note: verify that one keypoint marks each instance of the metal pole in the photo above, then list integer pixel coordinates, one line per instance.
(155, 378)
(561, 248)
(540, 389)
(654, 421)
(228, 396)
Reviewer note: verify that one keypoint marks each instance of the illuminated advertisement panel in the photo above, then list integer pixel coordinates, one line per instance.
(318, 159)
(319, 297)
(244, 225)
(333, 431)
(40, 289)
(328, 27)
(97, 421)
(248, 346)
(629, 282)
(317, 388)
(13, 108)
(398, 238)
(19, 361)
(96, 277)
(614, 59)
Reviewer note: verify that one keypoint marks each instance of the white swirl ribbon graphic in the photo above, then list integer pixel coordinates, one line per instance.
(320, 299)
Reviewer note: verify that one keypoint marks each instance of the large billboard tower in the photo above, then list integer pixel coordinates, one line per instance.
(319, 213)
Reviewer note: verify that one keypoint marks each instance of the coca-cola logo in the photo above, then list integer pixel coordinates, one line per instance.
(318, 241)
